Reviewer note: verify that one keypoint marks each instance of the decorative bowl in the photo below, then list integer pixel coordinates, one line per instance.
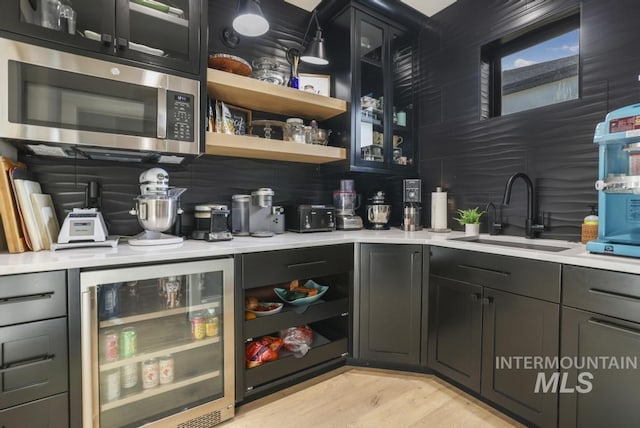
(259, 313)
(282, 293)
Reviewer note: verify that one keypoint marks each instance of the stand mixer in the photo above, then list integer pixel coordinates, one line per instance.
(347, 201)
(156, 209)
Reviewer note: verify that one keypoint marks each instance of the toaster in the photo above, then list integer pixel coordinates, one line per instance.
(310, 218)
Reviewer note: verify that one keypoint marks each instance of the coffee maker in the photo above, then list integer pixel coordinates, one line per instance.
(265, 219)
(618, 183)
(412, 199)
(347, 201)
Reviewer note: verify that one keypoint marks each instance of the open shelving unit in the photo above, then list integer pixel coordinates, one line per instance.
(257, 95)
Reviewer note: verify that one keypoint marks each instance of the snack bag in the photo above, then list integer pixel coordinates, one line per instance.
(260, 351)
(297, 340)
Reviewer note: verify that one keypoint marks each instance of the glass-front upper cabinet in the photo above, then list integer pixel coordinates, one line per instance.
(384, 137)
(162, 33)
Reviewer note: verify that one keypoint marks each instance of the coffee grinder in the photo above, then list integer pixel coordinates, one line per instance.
(412, 199)
(347, 201)
(618, 185)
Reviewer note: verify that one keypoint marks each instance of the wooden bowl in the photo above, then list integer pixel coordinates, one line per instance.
(230, 63)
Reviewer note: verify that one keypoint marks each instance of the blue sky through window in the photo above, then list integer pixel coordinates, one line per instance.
(567, 44)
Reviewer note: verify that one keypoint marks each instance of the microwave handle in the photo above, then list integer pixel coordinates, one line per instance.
(162, 113)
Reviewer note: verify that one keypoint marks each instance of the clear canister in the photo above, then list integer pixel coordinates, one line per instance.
(240, 214)
(295, 130)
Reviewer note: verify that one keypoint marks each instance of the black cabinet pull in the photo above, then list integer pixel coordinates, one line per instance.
(26, 363)
(106, 39)
(475, 296)
(497, 272)
(26, 297)
(296, 265)
(613, 326)
(614, 295)
(487, 300)
(122, 43)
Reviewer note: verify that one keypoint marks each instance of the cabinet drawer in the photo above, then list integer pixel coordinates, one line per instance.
(32, 297)
(33, 362)
(532, 278)
(274, 267)
(610, 293)
(52, 412)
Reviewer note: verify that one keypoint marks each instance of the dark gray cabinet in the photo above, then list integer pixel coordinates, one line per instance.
(329, 317)
(390, 302)
(455, 330)
(34, 362)
(483, 307)
(600, 318)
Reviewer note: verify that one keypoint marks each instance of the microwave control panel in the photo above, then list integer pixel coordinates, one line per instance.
(180, 116)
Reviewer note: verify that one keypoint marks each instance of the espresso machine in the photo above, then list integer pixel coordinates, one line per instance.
(347, 201)
(412, 199)
(618, 185)
(265, 219)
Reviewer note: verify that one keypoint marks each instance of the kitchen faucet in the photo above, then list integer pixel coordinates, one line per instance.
(494, 222)
(530, 229)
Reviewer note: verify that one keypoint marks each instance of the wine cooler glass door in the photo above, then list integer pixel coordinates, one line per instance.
(157, 344)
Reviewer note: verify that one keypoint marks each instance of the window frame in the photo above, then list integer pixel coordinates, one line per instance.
(491, 56)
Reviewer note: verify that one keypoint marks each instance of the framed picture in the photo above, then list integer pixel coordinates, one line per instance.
(316, 83)
(241, 119)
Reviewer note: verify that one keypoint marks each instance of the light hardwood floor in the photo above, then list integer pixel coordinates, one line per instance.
(360, 397)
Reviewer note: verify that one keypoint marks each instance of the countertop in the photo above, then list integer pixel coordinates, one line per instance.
(125, 254)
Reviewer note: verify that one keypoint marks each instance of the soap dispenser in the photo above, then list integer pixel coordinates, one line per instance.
(590, 226)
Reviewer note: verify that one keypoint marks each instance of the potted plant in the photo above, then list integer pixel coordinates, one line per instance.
(470, 218)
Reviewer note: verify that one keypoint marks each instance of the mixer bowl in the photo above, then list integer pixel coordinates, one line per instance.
(156, 214)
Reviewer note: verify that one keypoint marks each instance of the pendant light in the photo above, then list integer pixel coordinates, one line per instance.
(249, 20)
(315, 52)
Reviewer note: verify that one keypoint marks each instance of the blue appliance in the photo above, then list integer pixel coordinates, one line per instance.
(618, 183)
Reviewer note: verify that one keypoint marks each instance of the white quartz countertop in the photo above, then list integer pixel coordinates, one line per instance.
(125, 254)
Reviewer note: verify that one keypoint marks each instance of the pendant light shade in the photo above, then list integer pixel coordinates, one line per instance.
(249, 20)
(315, 52)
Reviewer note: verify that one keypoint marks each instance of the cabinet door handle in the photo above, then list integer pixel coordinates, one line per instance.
(26, 363)
(497, 272)
(613, 326)
(122, 43)
(296, 265)
(26, 297)
(106, 39)
(487, 300)
(475, 296)
(614, 295)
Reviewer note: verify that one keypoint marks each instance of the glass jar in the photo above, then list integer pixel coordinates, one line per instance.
(211, 323)
(295, 130)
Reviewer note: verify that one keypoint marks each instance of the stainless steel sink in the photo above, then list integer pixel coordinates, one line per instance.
(525, 245)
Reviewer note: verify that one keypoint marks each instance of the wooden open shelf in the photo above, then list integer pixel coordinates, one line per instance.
(255, 94)
(262, 148)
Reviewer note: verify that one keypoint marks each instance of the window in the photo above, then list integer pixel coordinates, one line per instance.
(538, 68)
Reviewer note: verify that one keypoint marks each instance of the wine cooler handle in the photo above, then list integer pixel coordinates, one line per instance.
(89, 347)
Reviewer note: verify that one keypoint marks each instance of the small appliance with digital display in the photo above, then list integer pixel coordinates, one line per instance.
(83, 227)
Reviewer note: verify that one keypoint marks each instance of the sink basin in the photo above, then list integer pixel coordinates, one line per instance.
(501, 243)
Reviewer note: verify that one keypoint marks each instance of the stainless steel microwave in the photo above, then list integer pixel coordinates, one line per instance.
(96, 106)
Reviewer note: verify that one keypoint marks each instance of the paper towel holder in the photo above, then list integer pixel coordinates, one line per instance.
(441, 209)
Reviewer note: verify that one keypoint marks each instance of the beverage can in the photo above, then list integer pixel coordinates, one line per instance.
(150, 375)
(165, 367)
(198, 328)
(110, 347)
(211, 324)
(128, 342)
(111, 385)
(129, 375)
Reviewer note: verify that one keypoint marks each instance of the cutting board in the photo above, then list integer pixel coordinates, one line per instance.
(46, 219)
(24, 185)
(9, 215)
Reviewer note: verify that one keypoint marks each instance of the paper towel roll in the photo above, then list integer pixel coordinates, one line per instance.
(438, 209)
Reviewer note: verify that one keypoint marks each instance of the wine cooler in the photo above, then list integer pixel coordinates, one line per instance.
(157, 345)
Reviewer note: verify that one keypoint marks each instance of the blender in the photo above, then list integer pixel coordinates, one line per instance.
(156, 209)
(347, 201)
